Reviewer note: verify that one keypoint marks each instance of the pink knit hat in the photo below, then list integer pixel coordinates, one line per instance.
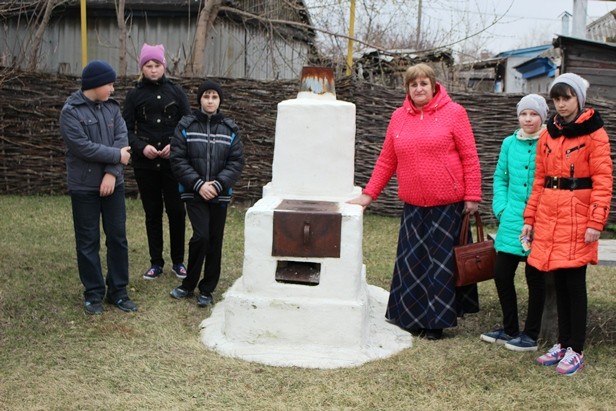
(156, 53)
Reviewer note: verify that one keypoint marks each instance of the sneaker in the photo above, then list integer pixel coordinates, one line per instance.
(497, 336)
(154, 272)
(179, 270)
(571, 363)
(204, 299)
(93, 307)
(180, 293)
(521, 343)
(553, 356)
(125, 304)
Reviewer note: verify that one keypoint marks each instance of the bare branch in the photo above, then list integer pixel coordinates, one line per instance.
(119, 4)
(205, 22)
(38, 35)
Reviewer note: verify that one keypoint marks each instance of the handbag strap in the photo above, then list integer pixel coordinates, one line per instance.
(464, 230)
(479, 225)
(465, 226)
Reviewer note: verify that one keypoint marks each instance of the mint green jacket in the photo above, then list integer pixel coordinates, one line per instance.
(513, 183)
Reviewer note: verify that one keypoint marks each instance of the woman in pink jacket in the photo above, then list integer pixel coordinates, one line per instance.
(430, 147)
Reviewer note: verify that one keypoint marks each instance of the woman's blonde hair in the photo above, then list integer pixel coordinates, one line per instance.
(419, 70)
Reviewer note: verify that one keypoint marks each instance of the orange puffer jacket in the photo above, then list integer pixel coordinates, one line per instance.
(560, 217)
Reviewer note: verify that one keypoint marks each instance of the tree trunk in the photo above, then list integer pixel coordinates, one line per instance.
(205, 21)
(122, 28)
(549, 321)
(38, 35)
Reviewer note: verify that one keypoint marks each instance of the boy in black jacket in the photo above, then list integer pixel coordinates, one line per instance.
(207, 158)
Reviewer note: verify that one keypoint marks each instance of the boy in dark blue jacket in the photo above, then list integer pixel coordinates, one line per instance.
(207, 158)
(97, 150)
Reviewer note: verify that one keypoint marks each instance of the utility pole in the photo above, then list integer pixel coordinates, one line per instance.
(84, 34)
(350, 44)
(418, 34)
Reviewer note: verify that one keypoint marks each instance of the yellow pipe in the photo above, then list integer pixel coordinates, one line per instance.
(84, 35)
(351, 34)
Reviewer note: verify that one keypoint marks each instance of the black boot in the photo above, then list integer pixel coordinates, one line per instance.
(434, 334)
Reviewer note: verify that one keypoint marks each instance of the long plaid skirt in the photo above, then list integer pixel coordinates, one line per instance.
(423, 292)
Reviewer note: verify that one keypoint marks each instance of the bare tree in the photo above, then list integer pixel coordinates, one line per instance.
(394, 24)
(205, 22)
(120, 4)
(35, 49)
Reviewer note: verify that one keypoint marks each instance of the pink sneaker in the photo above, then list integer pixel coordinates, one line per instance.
(179, 270)
(571, 363)
(553, 356)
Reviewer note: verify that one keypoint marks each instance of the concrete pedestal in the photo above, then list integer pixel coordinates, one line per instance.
(336, 323)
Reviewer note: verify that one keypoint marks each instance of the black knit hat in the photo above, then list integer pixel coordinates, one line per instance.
(209, 85)
(97, 73)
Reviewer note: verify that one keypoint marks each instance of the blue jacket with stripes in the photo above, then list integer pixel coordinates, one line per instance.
(206, 148)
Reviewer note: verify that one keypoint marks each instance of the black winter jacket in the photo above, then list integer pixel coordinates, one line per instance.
(206, 148)
(152, 110)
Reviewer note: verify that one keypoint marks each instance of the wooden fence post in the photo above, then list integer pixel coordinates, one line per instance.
(549, 321)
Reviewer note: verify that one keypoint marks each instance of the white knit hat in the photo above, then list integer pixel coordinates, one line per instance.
(577, 83)
(534, 102)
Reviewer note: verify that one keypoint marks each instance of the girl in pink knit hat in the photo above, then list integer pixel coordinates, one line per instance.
(152, 110)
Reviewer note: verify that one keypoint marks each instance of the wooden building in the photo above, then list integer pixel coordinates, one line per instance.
(387, 67)
(243, 43)
(497, 74)
(594, 61)
(539, 72)
(484, 76)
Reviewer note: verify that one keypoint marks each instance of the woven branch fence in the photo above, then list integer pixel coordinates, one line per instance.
(32, 151)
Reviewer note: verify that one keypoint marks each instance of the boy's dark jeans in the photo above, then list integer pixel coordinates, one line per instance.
(88, 207)
(205, 246)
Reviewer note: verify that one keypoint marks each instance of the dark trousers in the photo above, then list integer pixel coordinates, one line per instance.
(88, 207)
(571, 306)
(205, 246)
(504, 273)
(159, 188)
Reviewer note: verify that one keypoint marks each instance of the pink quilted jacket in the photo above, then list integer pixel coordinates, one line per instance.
(433, 153)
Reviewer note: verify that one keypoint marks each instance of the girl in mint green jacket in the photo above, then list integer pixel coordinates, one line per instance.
(513, 181)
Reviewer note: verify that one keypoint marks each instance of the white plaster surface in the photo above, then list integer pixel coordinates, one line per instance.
(382, 340)
(338, 323)
(314, 150)
(340, 320)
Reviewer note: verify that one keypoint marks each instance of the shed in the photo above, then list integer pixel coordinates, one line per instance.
(499, 73)
(387, 67)
(539, 72)
(594, 61)
(243, 43)
(513, 81)
(483, 75)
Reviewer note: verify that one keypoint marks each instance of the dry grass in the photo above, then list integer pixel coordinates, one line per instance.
(54, 357)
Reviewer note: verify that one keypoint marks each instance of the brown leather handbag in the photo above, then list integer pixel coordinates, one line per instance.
(474, 261)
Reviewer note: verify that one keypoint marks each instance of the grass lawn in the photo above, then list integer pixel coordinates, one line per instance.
(55, 357)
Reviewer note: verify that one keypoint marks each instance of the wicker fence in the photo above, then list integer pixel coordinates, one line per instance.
(32, 151)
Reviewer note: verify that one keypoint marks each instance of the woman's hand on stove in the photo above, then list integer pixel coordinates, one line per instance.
(363, 200)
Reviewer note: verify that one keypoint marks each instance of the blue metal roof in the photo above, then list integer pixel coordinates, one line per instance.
(536, 67)
(526, 52)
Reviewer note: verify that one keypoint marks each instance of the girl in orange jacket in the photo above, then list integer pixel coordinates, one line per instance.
(567, 210)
